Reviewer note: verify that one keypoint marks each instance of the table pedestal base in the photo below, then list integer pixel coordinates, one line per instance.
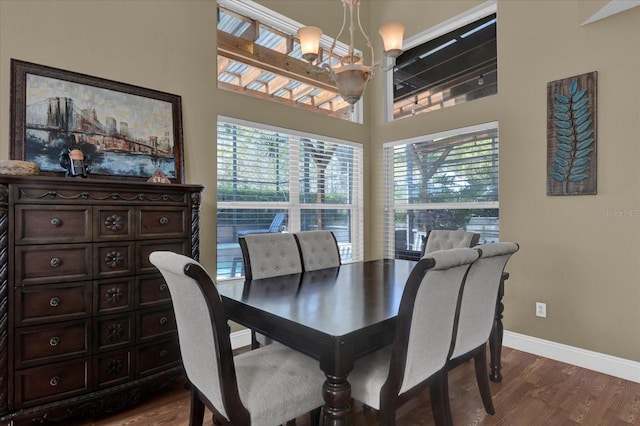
(336, 392)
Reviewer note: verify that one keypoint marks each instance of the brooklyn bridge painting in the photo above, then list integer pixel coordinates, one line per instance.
(121, 134)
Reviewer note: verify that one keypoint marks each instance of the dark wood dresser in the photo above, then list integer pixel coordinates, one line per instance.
(86, 323)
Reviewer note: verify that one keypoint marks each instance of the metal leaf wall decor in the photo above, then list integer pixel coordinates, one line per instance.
(571, 135)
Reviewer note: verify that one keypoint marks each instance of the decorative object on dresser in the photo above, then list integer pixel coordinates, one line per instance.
(74, 162)
(128, 132)
(158, 177)
(18, 168)
(86, 323)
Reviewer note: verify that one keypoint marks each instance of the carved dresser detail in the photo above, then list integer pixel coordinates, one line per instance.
(86, 323)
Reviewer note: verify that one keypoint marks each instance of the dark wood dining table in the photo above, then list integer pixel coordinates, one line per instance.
(334, 315)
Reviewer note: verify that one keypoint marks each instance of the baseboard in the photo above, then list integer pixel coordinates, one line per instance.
(602, 363)
(240, 338)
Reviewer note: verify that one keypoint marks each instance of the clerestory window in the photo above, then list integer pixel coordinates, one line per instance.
(445, 67)
(259, 55)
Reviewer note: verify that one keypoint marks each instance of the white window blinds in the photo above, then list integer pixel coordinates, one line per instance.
(277, 180)
(447, 181)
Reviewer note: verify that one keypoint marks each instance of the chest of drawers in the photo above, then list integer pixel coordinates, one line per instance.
(86, 323)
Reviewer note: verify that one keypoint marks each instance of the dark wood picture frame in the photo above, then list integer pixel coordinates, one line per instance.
(572, 137)
(126, 132)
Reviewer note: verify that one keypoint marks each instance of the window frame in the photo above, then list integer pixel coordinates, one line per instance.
(294, 207)
(252, 10)
(485, 9)
(390, 207)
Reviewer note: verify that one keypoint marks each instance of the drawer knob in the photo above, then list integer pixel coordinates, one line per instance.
(114, 259)
(114, 223)
(55, 381)
(54, 302)
(114, 295)
(55, 262)
(163, 320)
(163, 287)
(115, 332)
(56, 222)
(114, 367)
(164, 220)
(54, 341)
(163, 353)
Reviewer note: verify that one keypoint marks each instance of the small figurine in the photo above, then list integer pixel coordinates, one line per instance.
(158, 177)
(73, 161)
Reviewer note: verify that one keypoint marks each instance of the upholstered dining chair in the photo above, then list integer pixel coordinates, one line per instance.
(424, 329)
(267, 386)
(477, 311)
(443, 239)
(267, 256)
(318, 249)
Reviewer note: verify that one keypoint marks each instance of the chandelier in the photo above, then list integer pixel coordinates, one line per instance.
(350, 74)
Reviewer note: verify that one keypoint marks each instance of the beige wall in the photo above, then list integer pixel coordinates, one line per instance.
(167, 45)
(581, 262)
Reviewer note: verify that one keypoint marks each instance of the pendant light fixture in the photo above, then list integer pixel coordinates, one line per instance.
(350, 74)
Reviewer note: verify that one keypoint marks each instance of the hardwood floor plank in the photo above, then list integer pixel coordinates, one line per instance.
(535, 391)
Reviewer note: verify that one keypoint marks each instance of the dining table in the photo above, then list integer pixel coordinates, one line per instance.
(335, 315)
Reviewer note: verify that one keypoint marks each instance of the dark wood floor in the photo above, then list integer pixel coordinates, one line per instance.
(534, 391)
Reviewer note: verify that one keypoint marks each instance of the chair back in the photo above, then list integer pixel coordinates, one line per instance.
(203, 332)
(269, 255)
(478, 304)
(318, 249)
(442, 239)
(426, 315)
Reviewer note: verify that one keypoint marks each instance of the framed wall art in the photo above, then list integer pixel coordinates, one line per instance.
(572, 135)
(124, 131)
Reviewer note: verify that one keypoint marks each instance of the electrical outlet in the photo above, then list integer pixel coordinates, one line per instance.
(541, 309)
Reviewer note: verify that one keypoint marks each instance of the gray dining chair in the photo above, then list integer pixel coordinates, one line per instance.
(477, 312)
(443, 239)
(266, 386)
(424, 330)
(267, 256)
(318, 249)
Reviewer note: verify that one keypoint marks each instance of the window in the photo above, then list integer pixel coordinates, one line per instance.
(453, 63)
(259, 56)
(277, 180)
(442, 181)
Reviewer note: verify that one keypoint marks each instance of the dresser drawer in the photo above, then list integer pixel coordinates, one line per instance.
(53, 263)
(51, 343)
(152, 291)
(113, 259)
(114, 295)
(50, 383)
(145, 248)
(55, 224)
(113, 368)
(54, 302)
(156, 357)
(155, 323)
(159, 222)
(113, 331)
(113, 223)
